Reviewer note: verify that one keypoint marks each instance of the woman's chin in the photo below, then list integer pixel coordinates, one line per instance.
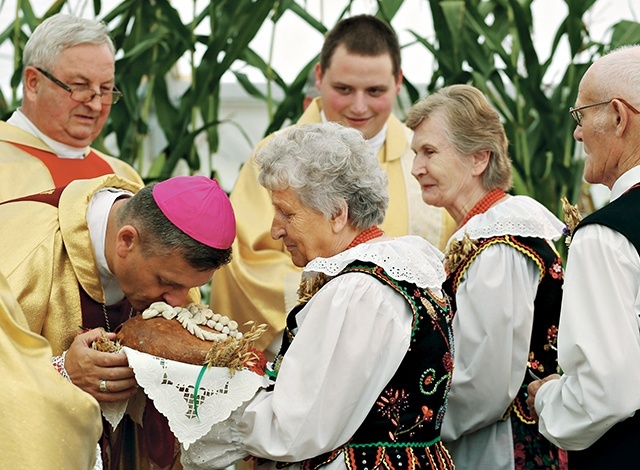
(431, 199)
(299, 261)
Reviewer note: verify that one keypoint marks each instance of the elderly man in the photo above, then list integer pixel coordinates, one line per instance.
(359, 76)
(593, 408)
(69, 89)
(88, 255)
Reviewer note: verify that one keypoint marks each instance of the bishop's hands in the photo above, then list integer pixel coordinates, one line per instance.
(105, 376)
(532, 390)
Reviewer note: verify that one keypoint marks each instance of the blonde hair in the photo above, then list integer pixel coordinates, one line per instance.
(472, 125)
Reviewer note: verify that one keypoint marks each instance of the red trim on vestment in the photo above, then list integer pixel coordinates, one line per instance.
(65, 170)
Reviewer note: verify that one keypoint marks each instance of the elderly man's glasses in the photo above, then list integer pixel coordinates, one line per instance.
(84, 94)
(577, 115)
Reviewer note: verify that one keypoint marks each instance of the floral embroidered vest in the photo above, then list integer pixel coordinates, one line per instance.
(402, 430)
(531, 449)
(542, 348)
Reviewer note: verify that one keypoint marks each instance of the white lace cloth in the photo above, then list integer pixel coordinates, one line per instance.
(171, 385)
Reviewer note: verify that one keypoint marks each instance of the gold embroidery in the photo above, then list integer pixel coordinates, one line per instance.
(430, 309)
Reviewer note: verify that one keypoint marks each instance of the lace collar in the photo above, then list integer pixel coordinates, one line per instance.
(517, 215)
(409, 258)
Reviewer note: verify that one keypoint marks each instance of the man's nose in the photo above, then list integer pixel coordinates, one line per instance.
(175, 296)
(359, 104)
(577, 133)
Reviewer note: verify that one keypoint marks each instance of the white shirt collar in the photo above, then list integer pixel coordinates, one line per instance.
(97, 216)
(376, 142)
(622, 184)
(21, 121)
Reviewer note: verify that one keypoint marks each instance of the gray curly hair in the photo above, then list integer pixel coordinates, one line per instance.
(60, 32)
(327, 165)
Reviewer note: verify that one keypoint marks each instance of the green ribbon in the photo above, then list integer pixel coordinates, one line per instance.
(196, 388)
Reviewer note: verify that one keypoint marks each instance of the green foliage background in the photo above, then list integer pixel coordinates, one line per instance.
(486, 43)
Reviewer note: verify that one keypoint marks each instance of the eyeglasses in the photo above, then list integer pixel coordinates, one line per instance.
(84, 94)
(577, 115)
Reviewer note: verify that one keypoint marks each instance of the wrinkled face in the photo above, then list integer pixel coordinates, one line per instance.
(306, 234)
(443, 173)
(51, 108)
(358, 91)
(597, 126)
(159, 277)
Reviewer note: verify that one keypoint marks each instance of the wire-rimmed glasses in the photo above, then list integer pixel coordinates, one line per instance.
(577, 115)
(84, 94)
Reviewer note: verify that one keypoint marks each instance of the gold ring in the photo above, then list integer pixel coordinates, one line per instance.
(103, 386)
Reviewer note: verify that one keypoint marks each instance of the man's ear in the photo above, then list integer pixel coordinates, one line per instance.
(127, 240)
(480, 160)
(30, 82)
(399, 82)
(318, 76)
(622, 116)
(340, 220)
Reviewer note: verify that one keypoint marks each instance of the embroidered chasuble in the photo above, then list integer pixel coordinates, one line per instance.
(66, 295)
(47, 421)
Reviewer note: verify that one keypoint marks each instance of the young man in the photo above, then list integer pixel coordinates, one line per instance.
(69, 89)
(359, 76)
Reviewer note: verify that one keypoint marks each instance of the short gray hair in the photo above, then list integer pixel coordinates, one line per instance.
(158, 234)
(472, 125)
(617, 75)
(327, 165)
(60, 32)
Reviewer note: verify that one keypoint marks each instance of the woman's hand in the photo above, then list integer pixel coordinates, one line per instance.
(532, 390)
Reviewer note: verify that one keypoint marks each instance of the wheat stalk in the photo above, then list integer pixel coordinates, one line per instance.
(234, 353)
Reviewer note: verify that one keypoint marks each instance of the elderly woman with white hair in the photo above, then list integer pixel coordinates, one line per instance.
(362, 377)
(504, 278)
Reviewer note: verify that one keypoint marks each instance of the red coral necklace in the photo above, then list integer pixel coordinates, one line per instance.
(366, 235)
(484, 204)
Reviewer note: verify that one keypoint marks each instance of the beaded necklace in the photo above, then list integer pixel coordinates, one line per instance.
(365, 236)
(484, 204)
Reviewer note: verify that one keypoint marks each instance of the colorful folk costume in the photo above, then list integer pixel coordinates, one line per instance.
(592, 410)
(505, 281)
(260, 282)
(363, 374)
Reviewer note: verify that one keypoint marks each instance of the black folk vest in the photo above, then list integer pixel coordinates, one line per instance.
(542, 345)
(617, 448)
